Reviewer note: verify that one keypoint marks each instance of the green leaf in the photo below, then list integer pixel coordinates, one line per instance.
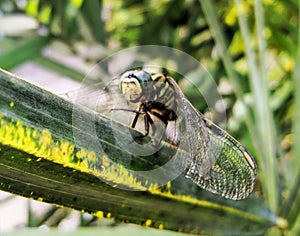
(39, 160)
(27, 49)
(265, 126)
(104, 231)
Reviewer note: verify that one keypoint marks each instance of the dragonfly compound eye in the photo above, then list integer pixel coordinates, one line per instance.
(134, 84)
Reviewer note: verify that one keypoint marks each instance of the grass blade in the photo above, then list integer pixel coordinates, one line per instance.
(263, 114)
(290, 209)
(27, 49)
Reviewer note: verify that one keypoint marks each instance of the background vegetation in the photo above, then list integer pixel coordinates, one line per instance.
(252, 46)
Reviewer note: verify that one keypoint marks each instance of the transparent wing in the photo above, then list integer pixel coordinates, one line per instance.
(233, 174)
(99, 96)
(196, 134)
(199, 141)
(219, 163)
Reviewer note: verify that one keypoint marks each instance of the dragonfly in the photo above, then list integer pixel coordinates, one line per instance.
(218, 162)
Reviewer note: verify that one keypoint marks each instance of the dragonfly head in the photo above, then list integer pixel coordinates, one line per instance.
(135, 84)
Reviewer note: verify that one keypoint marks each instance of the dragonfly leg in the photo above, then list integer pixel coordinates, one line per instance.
(123, 109)
(147, 120)
(135, 118)
(137, 113)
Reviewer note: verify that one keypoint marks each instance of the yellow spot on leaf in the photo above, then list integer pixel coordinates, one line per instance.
(148, 222)
(105, 161)
(99, 214)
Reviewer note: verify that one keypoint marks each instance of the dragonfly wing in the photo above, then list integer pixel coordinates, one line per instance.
(100, 97)
(233, 171)
(219, 163)
(196, 135)
(198, 138)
